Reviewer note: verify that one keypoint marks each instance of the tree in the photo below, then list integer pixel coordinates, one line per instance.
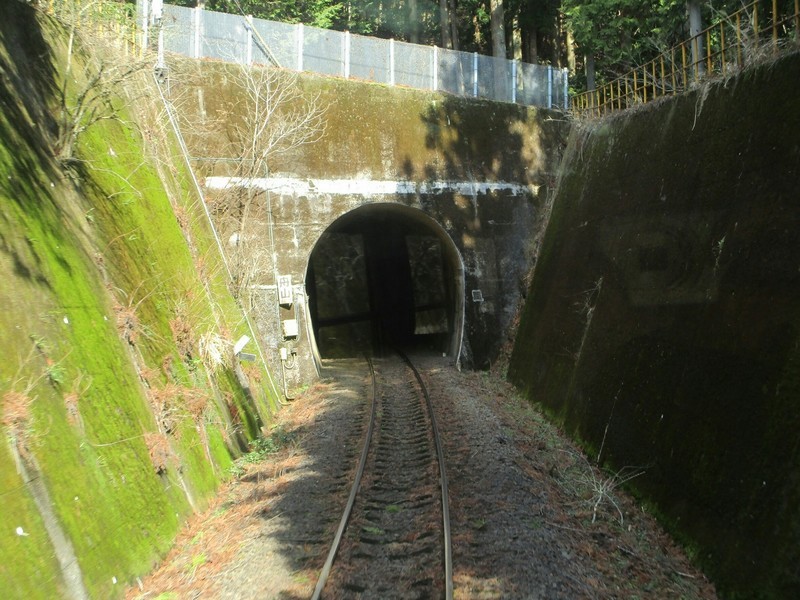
(107, 69)
(695, 27)
(316, 13)
(536, 29)
(618, 35)
(271, 116)
(444, 20)
(498, 22)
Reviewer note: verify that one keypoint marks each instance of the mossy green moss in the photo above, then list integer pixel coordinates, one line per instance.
(28, 567)
(104, 303)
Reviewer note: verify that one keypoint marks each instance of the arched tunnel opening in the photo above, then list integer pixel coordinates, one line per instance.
(385, 276)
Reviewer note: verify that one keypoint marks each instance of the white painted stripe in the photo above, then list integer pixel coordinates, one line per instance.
(368, 187)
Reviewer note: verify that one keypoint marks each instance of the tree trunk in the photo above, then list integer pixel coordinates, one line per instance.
(570, 52)
(590, 79)
(498, 28)
(695, 27)
(498, 25)
(453, 24)
(530, 45)
(444, 18)
(476, 29)
(413, 20)
(516, 39)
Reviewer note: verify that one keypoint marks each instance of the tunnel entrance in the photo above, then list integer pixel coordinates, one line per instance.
(381, 276)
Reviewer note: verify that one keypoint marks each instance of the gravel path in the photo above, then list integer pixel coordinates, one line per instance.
(531, 517)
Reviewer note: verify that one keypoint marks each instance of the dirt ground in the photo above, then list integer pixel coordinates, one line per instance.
(531, 517)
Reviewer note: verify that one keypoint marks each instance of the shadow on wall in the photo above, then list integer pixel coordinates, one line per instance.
(496, 230)
(663, 321)
(31, 70)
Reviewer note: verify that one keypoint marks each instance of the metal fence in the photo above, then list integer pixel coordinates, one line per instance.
(753, 32)
(200, 33)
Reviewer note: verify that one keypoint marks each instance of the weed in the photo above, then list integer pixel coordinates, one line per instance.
(158, 447)
(214, 351)
(73, 412)
(236, 470)
(39, 343)
(56, 374)
(198, 560)
(127, 323)
(183, 336)
(197, 538)
(534, 523)
(301, 577)
(261, 448)
(594, 486)
(478, 524)
(196, 402)
(717, 250)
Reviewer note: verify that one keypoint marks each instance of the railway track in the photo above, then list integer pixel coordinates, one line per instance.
(393, 540)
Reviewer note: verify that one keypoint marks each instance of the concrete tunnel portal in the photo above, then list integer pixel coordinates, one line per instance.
(381, 276)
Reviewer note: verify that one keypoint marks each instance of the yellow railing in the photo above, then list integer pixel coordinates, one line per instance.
(721, 49)
(113, 20)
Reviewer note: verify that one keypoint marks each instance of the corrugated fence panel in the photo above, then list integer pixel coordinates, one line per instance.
(455, 72)
(207, 34)
(531, 85)
(177, 25)
(323, 51)
(412, 65)
(224, 37)
(369, 59)
(281, 38)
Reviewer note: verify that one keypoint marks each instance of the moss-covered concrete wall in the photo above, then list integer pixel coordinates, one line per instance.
(121, 407)
(663, 319)
(377, 133)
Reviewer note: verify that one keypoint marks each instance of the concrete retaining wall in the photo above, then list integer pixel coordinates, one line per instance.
(663, 319)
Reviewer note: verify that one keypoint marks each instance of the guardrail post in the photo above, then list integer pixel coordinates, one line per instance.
(549, 87)
(775, 23)
(145, 22)
(197, 39)
(300, 47)
(391, 61)
(249, 28)
(160, 62)
(435, 67)
(475, 74)
(797, 20)
(513, 81)
(346, 57)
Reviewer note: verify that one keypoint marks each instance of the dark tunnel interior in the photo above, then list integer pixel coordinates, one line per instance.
(383, 276)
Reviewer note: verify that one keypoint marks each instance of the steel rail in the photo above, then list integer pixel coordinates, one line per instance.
(326, 570)
(446, 537)
(448, 554)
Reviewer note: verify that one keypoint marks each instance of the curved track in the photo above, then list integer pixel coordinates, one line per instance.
(393, 540)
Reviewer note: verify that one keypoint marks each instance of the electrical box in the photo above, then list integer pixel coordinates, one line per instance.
(290, 329)
(284, 290)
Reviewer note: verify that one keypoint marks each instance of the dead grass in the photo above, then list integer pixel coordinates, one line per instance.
(160, 451)
(128, 325)
(210, 543)
(183, 335)
(16, 413)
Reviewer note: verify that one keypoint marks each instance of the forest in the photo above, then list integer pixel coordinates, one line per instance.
(598, 40)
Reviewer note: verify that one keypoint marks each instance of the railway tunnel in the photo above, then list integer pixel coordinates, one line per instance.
(381, 276)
